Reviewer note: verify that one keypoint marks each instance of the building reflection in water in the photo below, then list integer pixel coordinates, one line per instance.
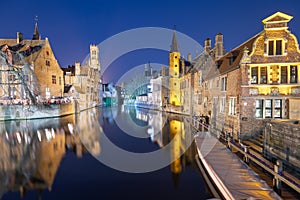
(31, 151)
(164, 128)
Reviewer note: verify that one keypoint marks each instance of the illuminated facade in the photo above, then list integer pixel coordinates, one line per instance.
(28, 56)
(86, 80)
(174, 72)
(254, 82)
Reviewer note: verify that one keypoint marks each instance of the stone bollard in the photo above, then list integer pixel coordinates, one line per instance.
(276, 180)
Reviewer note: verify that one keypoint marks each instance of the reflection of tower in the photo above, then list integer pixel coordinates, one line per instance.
(174, 72)
(50, 155)
(176, 128)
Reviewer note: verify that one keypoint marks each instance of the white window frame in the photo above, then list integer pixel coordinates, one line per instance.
(232, 106)
(222, 104)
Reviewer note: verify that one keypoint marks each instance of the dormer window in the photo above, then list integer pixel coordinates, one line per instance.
(275, 47)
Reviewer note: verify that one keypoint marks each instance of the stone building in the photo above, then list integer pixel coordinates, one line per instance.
(85, 80)
(31, 63)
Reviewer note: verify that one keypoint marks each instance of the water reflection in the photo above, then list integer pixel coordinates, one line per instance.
(32, 151)
(170, 132)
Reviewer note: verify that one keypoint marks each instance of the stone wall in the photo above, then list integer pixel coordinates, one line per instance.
(282, 141)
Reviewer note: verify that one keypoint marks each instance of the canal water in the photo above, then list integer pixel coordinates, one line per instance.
(102, 153)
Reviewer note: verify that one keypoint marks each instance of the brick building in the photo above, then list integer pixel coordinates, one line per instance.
(255, 82)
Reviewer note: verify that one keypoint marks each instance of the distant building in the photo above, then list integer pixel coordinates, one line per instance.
(85, 80)
(110, 94)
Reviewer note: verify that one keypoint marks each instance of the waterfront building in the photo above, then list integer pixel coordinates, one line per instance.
(254, 82)
(85, 80)
(30, 67)
(160, 88)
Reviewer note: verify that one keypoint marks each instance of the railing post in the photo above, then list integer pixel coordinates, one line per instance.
(276, 179)
(246, 150)
(229, 142)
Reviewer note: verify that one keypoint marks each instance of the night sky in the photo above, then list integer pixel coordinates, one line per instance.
(72, 26)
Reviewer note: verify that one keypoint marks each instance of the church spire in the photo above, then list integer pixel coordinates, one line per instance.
(36, 35)
(174, 45)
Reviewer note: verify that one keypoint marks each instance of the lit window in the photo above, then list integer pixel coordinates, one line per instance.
(277, 108)
(293, 74)
(268, 108)
(283, 74)
(263, 75)
(259, 108)
(254, 75)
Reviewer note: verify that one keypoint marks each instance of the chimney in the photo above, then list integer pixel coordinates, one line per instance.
(189, 57)
(19, 37)
(219, 46)
(207, 45)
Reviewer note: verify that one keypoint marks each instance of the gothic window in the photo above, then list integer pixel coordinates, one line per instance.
(47, 63)
(283, 74)
(263, 75)
(254, 75)
(293, 74)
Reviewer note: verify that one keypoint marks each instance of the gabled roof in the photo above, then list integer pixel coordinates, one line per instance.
(277, 17)
(29, 49)
(67, 88)
(231, 60)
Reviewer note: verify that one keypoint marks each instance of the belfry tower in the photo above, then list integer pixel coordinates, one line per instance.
(174, 72)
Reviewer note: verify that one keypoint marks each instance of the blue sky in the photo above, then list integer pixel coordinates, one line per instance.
(72, 26)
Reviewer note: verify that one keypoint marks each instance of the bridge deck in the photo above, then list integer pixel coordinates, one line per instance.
(232, 177)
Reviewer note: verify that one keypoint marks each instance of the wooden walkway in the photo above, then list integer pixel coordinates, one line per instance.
(233, 178)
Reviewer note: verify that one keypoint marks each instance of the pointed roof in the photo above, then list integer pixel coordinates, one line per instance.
(174, 45)
(277, 17)
(36, 35)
